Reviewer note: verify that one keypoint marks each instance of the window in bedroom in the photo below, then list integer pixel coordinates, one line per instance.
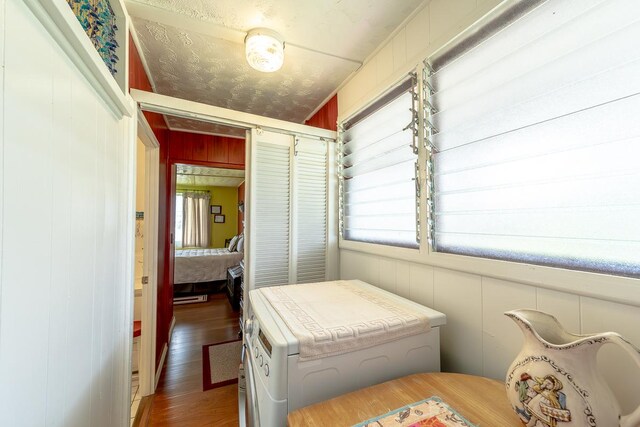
(378, 167)
(536, 155)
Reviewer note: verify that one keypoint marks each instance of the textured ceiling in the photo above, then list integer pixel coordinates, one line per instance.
(208, 177)
(179, 123)
(194, 49)
(206, 69)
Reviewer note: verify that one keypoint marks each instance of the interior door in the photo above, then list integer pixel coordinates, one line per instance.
(268, 224)
(309, 214)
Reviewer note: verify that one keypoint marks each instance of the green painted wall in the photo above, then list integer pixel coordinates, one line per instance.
(227, 197)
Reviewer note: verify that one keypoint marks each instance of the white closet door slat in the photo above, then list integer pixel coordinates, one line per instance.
(272, 211)
(310, 210)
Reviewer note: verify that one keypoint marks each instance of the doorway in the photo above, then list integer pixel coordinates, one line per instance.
(208, 230)
(143, 380)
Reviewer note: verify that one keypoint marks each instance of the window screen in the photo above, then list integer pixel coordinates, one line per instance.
(538, 138)
(378, 165)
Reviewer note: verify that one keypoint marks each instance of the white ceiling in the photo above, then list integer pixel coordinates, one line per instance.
(208, 177)
(194, 49)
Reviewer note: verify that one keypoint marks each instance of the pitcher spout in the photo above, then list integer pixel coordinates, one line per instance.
(544, 328)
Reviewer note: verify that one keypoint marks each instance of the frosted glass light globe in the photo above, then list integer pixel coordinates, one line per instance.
(264, 50)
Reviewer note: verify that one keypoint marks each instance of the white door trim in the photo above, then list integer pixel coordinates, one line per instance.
(146, 371)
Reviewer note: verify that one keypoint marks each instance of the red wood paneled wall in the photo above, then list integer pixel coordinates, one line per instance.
(138, 80)
(240, 214)
(137, 76)
(211, 150)
(327, 116)
(176, 147)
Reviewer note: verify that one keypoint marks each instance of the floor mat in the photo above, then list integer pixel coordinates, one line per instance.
(220, 363)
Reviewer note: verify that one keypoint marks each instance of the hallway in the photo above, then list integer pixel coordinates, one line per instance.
(179, 399)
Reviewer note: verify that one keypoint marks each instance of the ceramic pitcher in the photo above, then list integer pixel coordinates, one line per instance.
(554, 380)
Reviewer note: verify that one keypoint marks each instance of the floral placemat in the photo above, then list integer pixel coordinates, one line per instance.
(431, 412)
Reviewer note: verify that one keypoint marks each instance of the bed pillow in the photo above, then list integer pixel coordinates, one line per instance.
(233, 243)
(240, 246)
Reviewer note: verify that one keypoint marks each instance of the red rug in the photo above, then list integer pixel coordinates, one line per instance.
(220, 363)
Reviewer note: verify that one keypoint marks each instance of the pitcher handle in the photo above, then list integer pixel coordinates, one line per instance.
(632, 419)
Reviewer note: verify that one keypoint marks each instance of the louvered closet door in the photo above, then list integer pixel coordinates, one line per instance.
(270, 209)
(310, 210)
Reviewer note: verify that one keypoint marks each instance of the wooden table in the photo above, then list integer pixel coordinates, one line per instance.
(482, 401)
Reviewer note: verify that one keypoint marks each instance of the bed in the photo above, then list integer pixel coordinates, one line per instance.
(203, 265)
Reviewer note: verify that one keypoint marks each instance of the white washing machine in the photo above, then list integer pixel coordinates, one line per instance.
(276, 382)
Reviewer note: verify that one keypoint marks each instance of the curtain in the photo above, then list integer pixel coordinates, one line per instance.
(195, 227)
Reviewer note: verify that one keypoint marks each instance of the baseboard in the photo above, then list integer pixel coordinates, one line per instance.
(144, 411)
(189, 299)
(161, 365)
(171, 326)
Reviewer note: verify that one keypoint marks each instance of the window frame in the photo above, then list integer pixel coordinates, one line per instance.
(392, 90)
(618, 289)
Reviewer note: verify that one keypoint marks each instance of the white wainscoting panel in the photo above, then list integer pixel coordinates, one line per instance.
(565, 307)
(387, 279)
(67, 203)
(356, 265)
(502, 339)
(478, 339)
(622, 374)
(421, 284)
(459, 296)
(403, 279)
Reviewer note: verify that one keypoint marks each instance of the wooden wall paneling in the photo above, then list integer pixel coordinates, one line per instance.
(180, 146)
(158, 125)
(218, 150)
(327, 116)
(162, 325)
(170, 251)
(237, 149)
(199, 147)
(137, 76)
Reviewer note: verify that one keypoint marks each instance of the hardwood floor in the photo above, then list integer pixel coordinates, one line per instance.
(179, 399)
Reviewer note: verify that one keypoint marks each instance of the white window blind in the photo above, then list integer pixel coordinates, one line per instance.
(271, 187)
(378, 170)
(310, 210)
(538, 138)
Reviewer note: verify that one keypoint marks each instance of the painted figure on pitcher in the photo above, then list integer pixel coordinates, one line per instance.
(543, 404)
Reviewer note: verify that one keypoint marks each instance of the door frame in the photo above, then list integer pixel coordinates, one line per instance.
(146, 368)
(163, 104)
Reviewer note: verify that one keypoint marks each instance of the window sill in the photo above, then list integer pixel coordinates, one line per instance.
(617, 289)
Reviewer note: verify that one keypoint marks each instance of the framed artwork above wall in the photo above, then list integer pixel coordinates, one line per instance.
(216, 209)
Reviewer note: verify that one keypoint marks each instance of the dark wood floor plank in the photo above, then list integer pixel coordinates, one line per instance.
(179, 399)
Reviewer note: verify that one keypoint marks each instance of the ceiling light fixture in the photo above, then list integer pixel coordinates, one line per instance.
(264, 50)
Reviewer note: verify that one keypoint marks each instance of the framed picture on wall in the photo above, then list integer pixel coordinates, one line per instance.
(216, 209)
(218, 219)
